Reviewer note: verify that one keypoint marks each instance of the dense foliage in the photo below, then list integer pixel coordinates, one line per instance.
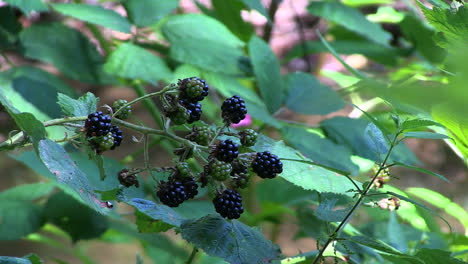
(229, 157)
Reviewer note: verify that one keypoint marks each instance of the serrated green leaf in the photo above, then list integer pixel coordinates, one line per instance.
(157, 211)
(418, 123)
(425, 135)
(133, 62)
(75, 218)
(375, 244)
(27, 192)
(436, 256)
(306, 95)
(307, 176)
(27, 6)
(82, 106)
(65, 48)
(66, 171)
(267, 72)
(94, 14)
(422, 170)
(233, 241)
(351, 19)
(19, 218)
(229, 13)
(375, 139)
(9, 28)
(204, 42)
(146, 224)
(325, 211)
(144, 13)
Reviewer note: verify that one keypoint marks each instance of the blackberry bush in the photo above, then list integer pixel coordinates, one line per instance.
(229, 204)
(233, 110)
(267, 165)
(226, 150)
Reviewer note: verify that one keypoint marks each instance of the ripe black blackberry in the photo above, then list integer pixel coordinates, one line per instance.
(194, 110)
(127, 179)
(191, 187)
(219, 170)
(175, 191)
(193, 89)
(97, 124)
(226, 150)
(248, 137)
(233, 110)
(239, 167)
(267, 165)
(200, 135)
(117, 135)
(228, 204)
(125, 112)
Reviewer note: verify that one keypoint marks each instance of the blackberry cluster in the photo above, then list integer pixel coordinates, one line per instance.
(103, 143)
(125, 112)
(219, 170)
(193, 89)
(200, 135)
(233, 110)
(267, 165)
(128, 179)
(194, 110)
(97, 124)
(248, 137)
(176, 191)
(229, 204)
(227, 150)
(117, 135)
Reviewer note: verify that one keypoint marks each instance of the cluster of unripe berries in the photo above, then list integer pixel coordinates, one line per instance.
(230, 162)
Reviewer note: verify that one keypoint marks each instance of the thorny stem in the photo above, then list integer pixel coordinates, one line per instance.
(192, 256)
(358, 203)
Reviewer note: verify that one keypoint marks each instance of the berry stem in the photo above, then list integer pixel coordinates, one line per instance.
(334, 235)
(217, 134)
(192, 256)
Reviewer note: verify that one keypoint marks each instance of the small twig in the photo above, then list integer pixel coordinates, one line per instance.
(192, 256)
(269, 26)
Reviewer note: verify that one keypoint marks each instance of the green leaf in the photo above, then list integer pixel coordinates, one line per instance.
(452, 23)
(233, 241)
(375, 244)
(204, 42)
(132, 62)
(82, 106)
(375, 140)
(19, 218)
(422, 170)
(426, 135)
(95, 15)
(304, 174)
(147, 224)
(306, 95)
(418, 123)
(280, 191)
(13, 260)
(442, 202)
(30, 125)
(157, 211)
(229, 13)
(66, 171)
(144, 13)
(75, 218)
(257, 5)
(27, 192)
(67, 49)
(267, 72)
(27, 6)
(436, 256)
(10, 27)
(325, 211)
(351, 19)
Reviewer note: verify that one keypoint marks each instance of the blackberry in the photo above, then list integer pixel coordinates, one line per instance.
(128, 179)
(172, 193)
(125, 112)
(191, 187)
(97, 124)
(238, 167)
(233, 110)
(193, 89)
(248, 137)
(227, 150)
(267, 165)
(219, 170)
(228, 204)
(179, 116)
(200, 135)
(117, 135)
(102, 143)
(194, 110)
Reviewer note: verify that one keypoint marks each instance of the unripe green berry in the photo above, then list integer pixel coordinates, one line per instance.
(219, 170)
(179, 116)
(183, 169)
(102, 143)
(200, 135)
(125, 112)
(248, 137)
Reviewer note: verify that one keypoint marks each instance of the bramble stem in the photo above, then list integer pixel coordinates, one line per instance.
(358, 203)
(192, 256)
